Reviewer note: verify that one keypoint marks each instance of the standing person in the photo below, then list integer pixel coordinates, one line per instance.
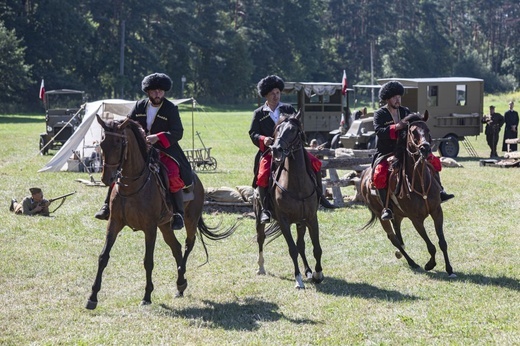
(494, 122)
(261, 131)
(161, 121)
(34, 204)
(511, 127)
(388, 121)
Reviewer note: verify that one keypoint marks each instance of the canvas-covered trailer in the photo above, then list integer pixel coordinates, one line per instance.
(455, 106)
(321, 105)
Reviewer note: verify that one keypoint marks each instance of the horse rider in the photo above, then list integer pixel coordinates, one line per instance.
(261, 131)
(161, 121)
(389, 120)
(34, 204)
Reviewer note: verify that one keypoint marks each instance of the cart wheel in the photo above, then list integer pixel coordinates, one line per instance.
(213, 163)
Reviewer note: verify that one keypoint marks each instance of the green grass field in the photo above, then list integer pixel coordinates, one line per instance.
(368, 296)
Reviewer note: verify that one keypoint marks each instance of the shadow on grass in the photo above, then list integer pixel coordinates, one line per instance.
(21, 119)
(244, 315)
(479, 279)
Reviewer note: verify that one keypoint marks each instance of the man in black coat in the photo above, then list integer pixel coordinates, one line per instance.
(494, 122)
(161, 121)
(511, 127)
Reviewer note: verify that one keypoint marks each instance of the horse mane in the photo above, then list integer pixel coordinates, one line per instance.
(139, 135)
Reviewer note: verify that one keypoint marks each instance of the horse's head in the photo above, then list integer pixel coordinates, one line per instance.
(115, 146)
(418, 137)
(288, 136)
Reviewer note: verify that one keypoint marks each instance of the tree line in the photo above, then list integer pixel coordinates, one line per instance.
(223, 47)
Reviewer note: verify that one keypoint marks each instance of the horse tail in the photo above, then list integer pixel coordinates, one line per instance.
(370, 223)
(273, 231)
(214, 233)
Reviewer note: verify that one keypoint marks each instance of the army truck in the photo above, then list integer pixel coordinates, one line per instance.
(62, 117)
(455, 106)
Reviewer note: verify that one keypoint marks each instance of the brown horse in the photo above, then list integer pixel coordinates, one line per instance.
(293, 198)
(415, 191)
(139, 201)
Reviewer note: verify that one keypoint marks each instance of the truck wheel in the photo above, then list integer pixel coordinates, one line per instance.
(42, 145)
(449, 148)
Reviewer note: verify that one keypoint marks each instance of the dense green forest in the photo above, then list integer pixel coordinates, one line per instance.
(223, 47)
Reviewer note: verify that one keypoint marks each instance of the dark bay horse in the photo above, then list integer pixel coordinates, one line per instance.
(293, 199)
(416, 194)
(139, 201)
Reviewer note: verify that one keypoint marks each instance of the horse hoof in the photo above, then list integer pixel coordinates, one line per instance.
(91, 305)
(145, 303)
(260, 272)
(179, 295)
(298, 287)
(309, 275)
(317, 277)
(452, 275)
(429, 266)
(181, 289)
(398, 254)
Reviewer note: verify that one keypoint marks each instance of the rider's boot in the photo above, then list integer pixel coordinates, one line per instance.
(265, 214)
(319, 190)
(387, 213)
(104, 212)
(178, 210)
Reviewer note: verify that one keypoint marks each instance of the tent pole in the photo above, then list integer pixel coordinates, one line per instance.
(192, 125)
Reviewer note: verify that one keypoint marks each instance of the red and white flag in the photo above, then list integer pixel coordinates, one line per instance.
(42, 91)
(344, 83)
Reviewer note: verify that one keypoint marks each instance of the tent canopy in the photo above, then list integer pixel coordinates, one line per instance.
(83, 141)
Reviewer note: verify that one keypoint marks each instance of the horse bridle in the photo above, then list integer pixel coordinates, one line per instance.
(292, 146)
(124, 149)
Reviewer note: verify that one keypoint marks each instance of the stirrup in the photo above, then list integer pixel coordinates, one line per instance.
(103, 213)
(387, 214)
(177, 221)
(265, 216)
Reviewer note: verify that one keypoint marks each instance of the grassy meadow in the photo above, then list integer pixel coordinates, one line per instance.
(368, 296)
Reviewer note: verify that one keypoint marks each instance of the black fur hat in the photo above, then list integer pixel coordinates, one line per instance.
(269, 83)
(156, 81)
(390, 89)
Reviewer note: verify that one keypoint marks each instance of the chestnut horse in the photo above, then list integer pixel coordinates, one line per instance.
(415, 189)
(293, 199)
(139, 200)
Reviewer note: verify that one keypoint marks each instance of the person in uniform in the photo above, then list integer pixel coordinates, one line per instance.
(389, 120)
(511, 127)
(161, 121)
(494, 122)
(34, 204)
(261, 131)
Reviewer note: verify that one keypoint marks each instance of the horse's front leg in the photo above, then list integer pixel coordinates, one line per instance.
(150, 236)
(396, 223)
(419, 226)
(176, 248)
(300, 243)
(113, 230)
(260, 239)
(314, 233)
(438, 221)
(293, 252)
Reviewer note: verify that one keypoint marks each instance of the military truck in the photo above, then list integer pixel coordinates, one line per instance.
(321, 104)
(455, 106)
(62, 117)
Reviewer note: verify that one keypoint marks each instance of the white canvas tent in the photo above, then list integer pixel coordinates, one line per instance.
(82, 142)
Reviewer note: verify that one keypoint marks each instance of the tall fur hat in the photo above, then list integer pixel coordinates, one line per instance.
(269, 83)
(156, 81)
(390, 89)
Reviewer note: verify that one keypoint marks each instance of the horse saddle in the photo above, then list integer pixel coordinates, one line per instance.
(158, 168)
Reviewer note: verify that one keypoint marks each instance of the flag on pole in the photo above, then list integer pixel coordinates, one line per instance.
(42, 91)
(344, 83)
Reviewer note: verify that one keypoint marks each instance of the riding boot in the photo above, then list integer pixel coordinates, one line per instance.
(444, 195)
(178, 210)
(265, 214)
(387, 213)
(319, 190)
(104, 212)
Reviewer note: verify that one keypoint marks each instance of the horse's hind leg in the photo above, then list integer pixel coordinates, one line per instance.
(150, 237)
(293, 252)
(396, 222)
(397, 243)
(300, 243)
(176, 248)
(110, 239)
(260, 239)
